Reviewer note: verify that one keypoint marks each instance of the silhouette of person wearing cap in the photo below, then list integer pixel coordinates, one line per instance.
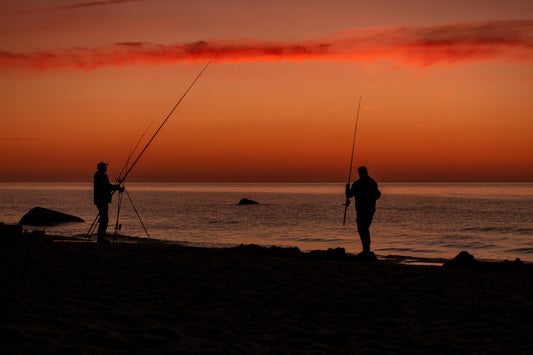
(102, 198)
(366, 192)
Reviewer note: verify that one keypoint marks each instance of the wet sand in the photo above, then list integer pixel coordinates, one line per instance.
(160, 298)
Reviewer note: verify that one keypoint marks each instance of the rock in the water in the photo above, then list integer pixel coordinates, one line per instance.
(246, 201)
(39, 216)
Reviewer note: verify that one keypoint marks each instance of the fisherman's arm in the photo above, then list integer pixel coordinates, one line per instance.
(377, 192)
(348, 191)
(116, 187)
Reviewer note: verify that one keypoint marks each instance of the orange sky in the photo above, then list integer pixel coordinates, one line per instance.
(446, 89)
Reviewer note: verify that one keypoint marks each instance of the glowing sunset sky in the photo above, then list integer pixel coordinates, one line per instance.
(446, 89)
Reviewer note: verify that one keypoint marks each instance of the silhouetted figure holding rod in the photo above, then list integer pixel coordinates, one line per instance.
(102, 198)
(366, 193)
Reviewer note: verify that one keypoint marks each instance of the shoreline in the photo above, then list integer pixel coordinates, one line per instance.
(394, 258)
(160, 298)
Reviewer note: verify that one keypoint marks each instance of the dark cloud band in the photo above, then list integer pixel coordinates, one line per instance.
(407, 45)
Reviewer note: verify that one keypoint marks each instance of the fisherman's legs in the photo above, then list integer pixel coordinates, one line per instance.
(363, 227)
(103, 221)
(364, 220)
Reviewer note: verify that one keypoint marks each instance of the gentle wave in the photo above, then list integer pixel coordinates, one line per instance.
(521, 250)
(501, 229)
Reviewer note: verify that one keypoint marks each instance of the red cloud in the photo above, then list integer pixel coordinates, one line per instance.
(79, 5)
(412, 45)
(92, 3)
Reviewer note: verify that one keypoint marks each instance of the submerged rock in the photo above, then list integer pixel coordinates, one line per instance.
(246, 201)
(39, 216)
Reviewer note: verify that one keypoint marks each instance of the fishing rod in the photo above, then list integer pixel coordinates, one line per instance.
(120, 180)
(117, 225)
(133, 151)
(347, 203)
(119, 203)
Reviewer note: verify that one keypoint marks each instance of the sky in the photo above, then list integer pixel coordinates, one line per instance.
(445, 89)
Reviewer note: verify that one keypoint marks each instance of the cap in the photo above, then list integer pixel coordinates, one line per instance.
(101, 164)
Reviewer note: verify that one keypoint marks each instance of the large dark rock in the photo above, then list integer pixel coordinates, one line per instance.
(246, 201)
(39, 216)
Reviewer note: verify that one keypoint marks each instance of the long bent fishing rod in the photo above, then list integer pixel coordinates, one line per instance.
(120, 179)
(347, 203)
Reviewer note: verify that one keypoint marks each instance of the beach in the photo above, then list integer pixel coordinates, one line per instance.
(153, 297)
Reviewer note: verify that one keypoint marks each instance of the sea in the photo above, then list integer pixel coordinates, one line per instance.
(492, 221)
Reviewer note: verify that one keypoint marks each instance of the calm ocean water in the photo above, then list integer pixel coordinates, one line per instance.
(491, 221)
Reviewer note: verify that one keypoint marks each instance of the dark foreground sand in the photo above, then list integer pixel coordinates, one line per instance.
(157, 298)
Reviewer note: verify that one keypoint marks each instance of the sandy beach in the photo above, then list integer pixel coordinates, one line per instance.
(78, 297)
